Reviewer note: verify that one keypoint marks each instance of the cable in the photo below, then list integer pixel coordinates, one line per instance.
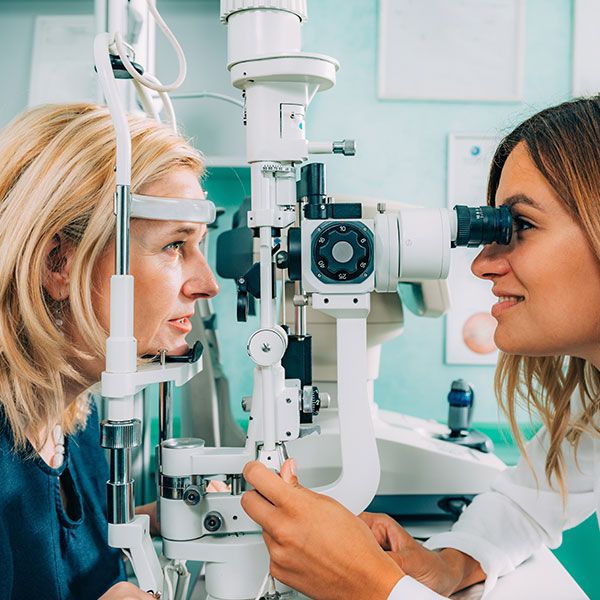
(272, 588)
(150, 81)
(188, 95)
(168, 582)
(263, 586)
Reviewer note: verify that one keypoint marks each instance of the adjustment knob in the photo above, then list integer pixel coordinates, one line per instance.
(120, 434)
(192, 495)
(213, 521)
(342, 251)
(316, 401)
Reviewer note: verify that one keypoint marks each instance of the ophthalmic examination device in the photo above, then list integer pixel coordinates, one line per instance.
(337, 259)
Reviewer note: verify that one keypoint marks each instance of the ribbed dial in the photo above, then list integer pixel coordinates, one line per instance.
(298, 7)
(120, 434)
(463, 221)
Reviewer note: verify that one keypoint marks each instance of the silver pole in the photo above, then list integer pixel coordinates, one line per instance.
(300, 311)
(165, 411)
(122, 204)
(119, 437)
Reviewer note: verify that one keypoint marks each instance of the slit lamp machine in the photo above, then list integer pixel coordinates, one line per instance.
(338, 259)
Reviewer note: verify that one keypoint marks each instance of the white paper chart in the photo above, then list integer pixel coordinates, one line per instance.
(469, 324)
(464, 50)
(62, 65)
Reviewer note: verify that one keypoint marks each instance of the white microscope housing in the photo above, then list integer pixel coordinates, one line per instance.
(338, 258)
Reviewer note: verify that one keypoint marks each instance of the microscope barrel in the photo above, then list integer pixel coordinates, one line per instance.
(425, 236)
(245, 25)
(481, 225)
(424, 242)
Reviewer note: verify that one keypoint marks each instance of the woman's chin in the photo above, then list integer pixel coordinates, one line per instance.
(178, 350)
(173, 349)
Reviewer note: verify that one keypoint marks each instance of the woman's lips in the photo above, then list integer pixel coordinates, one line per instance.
(182, 324)
(500, 307)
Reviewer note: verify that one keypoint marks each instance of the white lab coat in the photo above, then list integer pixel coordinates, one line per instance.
(503, 527)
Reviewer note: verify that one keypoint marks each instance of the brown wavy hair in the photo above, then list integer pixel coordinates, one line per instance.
(57, 176)
(564, 144)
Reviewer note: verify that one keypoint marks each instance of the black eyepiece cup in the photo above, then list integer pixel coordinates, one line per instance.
(481, 225)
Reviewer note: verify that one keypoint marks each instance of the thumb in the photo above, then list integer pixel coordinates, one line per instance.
(289, 471)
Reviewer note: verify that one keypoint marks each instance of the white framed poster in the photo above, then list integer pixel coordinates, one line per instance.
(586, 50)
(62, 64)
(472, 50)
(469, 325)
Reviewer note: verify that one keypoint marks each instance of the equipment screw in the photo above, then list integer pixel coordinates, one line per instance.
(213, 521)
(191, 496)
(266, 347)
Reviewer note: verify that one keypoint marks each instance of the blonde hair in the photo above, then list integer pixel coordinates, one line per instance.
(564, 144)
(57, 177)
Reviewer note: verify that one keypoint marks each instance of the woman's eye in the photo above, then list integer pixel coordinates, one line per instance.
(521, 224)
(174, 248)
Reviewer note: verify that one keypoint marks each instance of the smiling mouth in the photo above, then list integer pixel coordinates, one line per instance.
(505, 303)
(183, 324)
(503, 299)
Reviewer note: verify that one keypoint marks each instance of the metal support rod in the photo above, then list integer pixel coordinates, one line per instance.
(119, 465)
(300, 311)
(119, 437)
(122, 203)
(165, 411)
(236, 485)
(121, 505)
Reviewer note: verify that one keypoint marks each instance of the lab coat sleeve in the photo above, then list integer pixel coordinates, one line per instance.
(506, 525)
(410, 589)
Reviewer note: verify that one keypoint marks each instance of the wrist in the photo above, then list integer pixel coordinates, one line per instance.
(462, 570)
(384, 579)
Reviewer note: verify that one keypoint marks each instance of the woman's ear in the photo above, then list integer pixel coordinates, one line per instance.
(58, 261)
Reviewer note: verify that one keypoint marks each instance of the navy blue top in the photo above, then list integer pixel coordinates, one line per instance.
(46, 551)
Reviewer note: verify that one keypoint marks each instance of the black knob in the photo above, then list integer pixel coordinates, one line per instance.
(192, 495)
(316, 401)
(342, 251)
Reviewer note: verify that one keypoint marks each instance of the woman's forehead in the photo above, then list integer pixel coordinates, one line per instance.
(179, 182)
(151, 227)
(521, 182)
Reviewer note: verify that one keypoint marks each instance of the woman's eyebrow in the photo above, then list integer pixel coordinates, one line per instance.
(520, 199)
(185, 230)
(182, 229)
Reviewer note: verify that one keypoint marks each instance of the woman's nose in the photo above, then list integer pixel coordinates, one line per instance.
(202, 282)
(491, 262)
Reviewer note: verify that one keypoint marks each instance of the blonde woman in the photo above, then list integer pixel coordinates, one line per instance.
(56, 242)
(548, 286)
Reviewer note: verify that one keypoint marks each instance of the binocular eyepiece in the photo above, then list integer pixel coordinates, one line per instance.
(482, 225)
